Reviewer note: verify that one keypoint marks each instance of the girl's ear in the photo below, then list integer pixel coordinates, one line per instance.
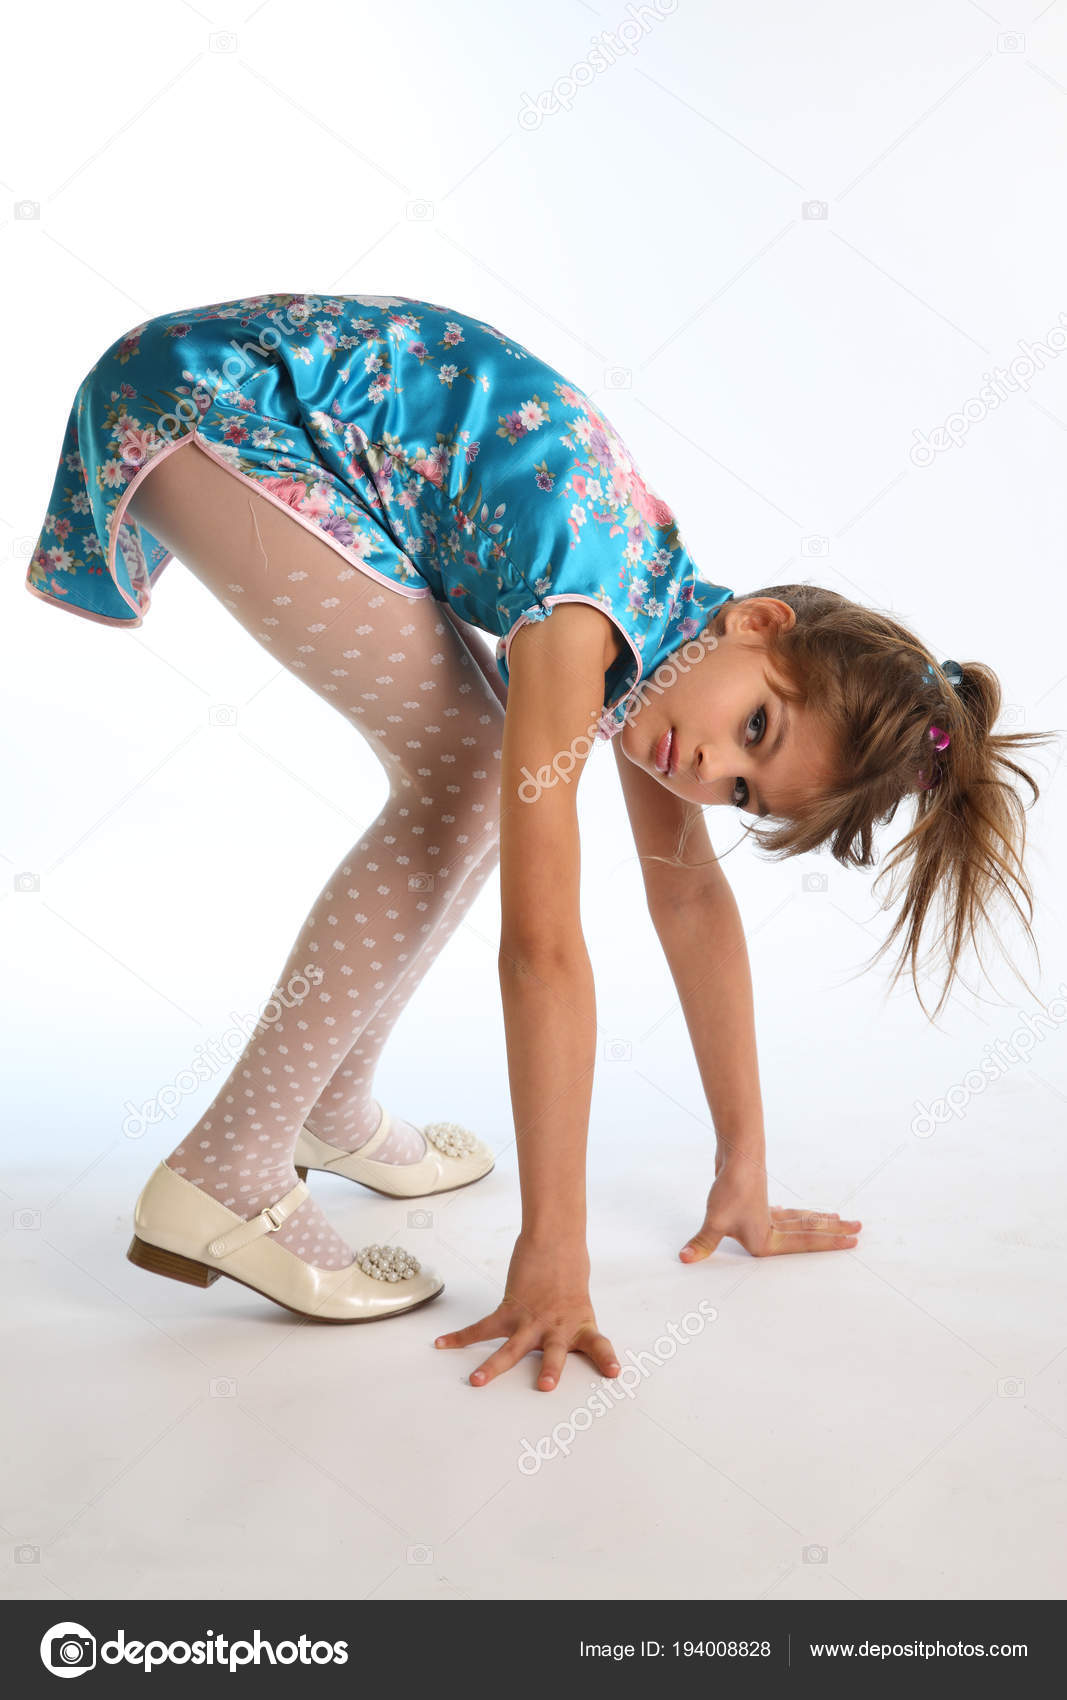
(769, 611)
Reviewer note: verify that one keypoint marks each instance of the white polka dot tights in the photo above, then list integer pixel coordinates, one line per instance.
(401, 670)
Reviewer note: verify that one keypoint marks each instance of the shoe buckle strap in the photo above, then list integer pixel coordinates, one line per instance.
(268, 1221)
(376, 1140)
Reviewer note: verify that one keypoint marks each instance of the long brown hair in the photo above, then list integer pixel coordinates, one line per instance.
(865, 676)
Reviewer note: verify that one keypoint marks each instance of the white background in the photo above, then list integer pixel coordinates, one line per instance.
(902, 1406)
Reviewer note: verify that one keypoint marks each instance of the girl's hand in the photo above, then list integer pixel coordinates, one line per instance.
(546, 1306)
(738, 1209)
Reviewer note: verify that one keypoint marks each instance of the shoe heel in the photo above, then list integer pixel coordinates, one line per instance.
(160, 1262)
(301, 1174)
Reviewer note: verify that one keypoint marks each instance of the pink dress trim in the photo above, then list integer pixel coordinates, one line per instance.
(220, 460)
(569, 596)
(85, 613)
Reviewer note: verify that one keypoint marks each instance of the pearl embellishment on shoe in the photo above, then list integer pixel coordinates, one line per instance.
(387, 1263)
(452, 1140)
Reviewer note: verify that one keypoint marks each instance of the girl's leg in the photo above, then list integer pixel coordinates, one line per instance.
(346, 1114)
(399, 669)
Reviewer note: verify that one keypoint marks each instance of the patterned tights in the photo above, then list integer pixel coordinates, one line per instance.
(401, 670)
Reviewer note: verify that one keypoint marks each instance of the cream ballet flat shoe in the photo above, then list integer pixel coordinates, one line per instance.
(181, 1231)
(453, 1158)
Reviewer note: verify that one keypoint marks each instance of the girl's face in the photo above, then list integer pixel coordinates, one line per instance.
(720, 733)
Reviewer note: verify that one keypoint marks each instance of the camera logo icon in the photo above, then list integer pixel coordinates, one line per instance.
(618, 1050)
(27, 882)
(420, 1218)
(68, 1649)
(419, 211)
(27, 209)
(815, 1555)
(814, 882)
(420, 1555)
(420, 882)
(618, 377)
(817, 546)
(222, 714)
(815, 209)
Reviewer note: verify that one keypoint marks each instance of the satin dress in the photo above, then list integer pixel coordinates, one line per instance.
(433, 452)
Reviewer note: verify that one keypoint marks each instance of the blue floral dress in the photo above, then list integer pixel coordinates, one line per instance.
(427, 448)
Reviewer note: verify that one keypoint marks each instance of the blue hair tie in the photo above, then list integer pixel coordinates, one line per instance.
(951, 669)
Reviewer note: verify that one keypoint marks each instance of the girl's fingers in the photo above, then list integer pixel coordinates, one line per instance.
(489, 1328)
(780, 1243)
(597, 1347)
(505, 1358)
(791, 1215)
(700, 1246)
(553, 1358)
(523, 1338)
(815, 1219)
(601, 1351)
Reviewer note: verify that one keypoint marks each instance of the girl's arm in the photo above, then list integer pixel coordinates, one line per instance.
(555, 698)
(698, 924)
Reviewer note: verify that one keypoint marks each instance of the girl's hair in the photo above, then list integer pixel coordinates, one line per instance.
(865, 676)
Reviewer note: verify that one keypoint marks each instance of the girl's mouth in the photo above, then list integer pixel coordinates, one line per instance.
(665, 755)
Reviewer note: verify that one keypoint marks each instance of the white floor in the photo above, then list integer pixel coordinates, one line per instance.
(888, 1423)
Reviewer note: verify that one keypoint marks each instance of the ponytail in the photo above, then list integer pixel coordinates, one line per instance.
(880, 693)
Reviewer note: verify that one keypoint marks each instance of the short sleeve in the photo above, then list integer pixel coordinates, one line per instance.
(578, 523)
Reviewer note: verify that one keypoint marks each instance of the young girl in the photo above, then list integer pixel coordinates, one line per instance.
(360, 480)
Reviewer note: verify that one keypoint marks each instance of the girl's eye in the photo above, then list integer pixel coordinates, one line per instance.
(760, 716)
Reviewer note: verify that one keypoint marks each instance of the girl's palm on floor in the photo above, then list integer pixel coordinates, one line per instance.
(546, 1307)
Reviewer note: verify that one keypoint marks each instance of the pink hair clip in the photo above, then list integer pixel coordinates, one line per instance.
(941, 740)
